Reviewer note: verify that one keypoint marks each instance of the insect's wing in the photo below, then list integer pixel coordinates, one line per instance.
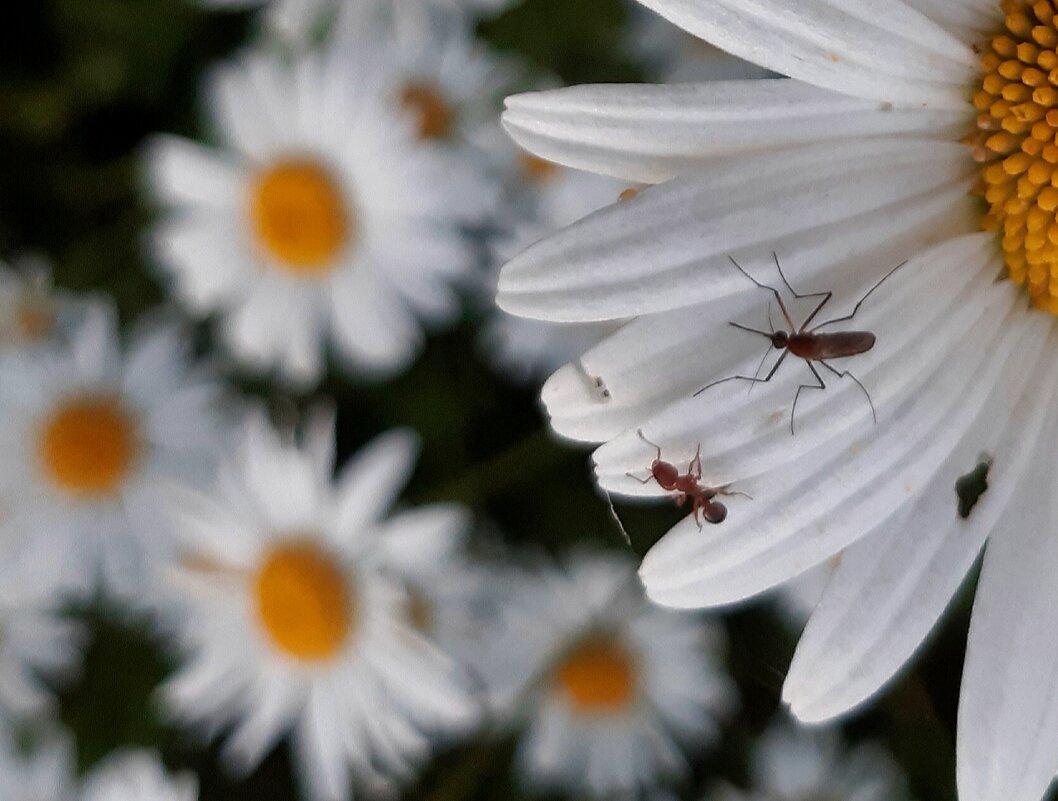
(847, 343)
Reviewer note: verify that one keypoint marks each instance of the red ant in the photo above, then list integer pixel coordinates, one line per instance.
(806, 343)
(687, 485)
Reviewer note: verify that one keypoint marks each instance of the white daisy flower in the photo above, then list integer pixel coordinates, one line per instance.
(47, 773)
(89, 437)
(612, 688)
(324, 218)
(793, 764)
(295, 624)
(876, 150)
(137, 776)
(32, 312)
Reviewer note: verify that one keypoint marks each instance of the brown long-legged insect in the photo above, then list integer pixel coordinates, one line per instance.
(807, 343)
(687, 486)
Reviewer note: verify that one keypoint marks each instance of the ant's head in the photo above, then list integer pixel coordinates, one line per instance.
(779, 340)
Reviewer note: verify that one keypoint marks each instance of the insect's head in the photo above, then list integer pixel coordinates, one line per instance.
(779, 340)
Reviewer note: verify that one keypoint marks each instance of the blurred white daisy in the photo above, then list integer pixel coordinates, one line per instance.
(295, 624)
(544, 197)
(90, 434)
(792, 764)
(137, 776)
(32, 312)
(46, 773)
(612, 688)
(325, 217)
(868, 155)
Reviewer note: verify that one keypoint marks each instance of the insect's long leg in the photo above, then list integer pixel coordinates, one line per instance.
(654, 445)
(773, 290)
(646, 480)
(797, 396)
(741, 327)
(793, 291)
(859, 303)
(826, 299)
(859, 383)
(725, 491)
(765, 380)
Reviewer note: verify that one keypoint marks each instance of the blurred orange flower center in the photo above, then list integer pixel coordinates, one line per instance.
(433, 115)
(537, 170)
(598, 675)
(305, 602)
(300, 217)
(35, 320)
(420, 612)
(1017, 143)
(88, 445)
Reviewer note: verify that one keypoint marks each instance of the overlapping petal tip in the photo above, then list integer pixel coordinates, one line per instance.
(370, 483)
(636, 372)
(850, 46)
(669, 247)
(186, 174)
(649, 133)
(892, 587)
(1008, 707)
(932, 378)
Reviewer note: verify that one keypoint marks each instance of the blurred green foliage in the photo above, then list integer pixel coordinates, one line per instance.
(82, 84)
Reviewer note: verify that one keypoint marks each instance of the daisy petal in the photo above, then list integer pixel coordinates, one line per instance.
(648, 133)
(1008, 709)
(899, 56)
(368, 485)
(892, 587)
(645, 364)
(668, 247)
(183, 173)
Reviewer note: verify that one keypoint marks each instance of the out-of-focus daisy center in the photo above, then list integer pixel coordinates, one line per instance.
(433, 115)
(1017, 142)
(35, 319)
(598, 675)
(88, 445)
(536, 170)
(420, 611)
(305, 602)
(300, 217)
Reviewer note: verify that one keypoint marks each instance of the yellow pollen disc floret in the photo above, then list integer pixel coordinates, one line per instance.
(88, 446)
(304, 601)
(1017, 144)
(433, 115)
(599, 675)
(537, 170)
(300, 217)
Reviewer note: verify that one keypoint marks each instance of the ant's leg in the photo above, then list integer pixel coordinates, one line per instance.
(859, 303)
(725, 491)
(654, 445)
(773, 290)
(695, 467)
(646, 480)
(797, 396)
(765, 380)
(859, 383)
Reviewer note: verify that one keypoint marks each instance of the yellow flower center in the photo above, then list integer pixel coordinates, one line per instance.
(1017, 142)
(89, 445)
(599, 675)
(433, 115)
(305, 602)
(300, 217)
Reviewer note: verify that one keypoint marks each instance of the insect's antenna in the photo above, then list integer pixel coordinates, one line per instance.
(616, 519)
(760, 367)
(751, 330)
(643, 437)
